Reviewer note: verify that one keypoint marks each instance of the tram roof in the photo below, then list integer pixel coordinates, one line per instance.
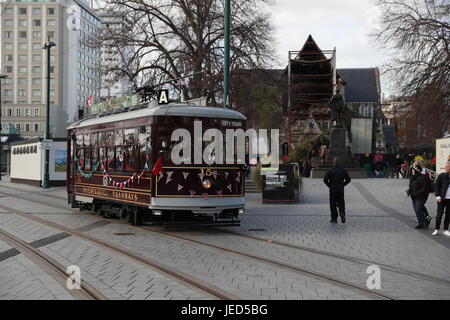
(180, 110)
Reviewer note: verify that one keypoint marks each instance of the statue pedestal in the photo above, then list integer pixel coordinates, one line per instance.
(338, 149)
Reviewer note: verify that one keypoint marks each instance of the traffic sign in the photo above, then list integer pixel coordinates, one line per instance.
(47, 144)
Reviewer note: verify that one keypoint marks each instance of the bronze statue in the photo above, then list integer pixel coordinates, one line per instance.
(337, 107)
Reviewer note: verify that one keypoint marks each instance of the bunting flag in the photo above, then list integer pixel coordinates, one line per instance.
(214, 173)
(180, 187)
(161, 175)
(230, 187)
(220, 193)
(201, 175)
(157, 169)
(205, 195)
(238, 179)
(226, 175)
(192, 193)
(185, 175)
(169, 175)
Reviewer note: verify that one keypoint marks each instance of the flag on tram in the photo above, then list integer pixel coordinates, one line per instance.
(157, 169)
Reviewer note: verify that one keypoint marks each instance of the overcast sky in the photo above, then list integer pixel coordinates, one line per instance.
(344, 24)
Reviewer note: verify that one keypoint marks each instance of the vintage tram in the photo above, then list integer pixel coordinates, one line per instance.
(120, 165)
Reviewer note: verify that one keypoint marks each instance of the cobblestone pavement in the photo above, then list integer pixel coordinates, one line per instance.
(379, 228)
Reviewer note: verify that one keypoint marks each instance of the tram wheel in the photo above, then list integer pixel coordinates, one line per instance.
(126, 214)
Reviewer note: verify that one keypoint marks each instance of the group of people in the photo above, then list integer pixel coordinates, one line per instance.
(420, 186)
(402, 168)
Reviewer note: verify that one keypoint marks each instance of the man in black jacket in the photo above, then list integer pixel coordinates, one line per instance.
(336, 179)
(442, 191)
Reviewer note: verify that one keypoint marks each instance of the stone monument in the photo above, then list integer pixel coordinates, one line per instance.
(338, 146)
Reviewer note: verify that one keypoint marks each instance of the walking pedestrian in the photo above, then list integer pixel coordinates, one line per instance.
(419, 191)
(405, 169)
(336, 179)
(398, 166)
(442, 192)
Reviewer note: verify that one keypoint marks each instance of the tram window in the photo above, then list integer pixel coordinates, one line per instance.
(87, 139)
(80, 157)
(79, 140)
(145, 135)
(94, 139)
(110, 138)
(143, 157)
(95, 155)
(131, 158)
(130, 136)
(118, 141)
(102, 139)
(102, 155)
(110, 159)
(87, 159)
(119, 158)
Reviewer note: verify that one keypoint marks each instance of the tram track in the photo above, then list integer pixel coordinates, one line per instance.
(186, 279)
(280, 243)
(305, 271)
(319, 276)
(51, 267)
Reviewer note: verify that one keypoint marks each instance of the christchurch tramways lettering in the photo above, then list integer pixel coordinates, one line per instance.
(129, 196)
(235, 146)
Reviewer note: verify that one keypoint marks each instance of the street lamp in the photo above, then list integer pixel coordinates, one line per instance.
(226, 67)
(2, 76)
(47, 47)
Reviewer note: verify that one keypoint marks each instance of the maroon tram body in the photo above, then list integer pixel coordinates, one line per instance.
(110, 162)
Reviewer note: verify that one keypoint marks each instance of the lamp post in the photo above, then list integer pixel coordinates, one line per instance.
(2, 76)
(47, 47)
(226, 67)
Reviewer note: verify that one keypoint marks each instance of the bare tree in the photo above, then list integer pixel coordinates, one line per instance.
(179, 37)
(417, 33)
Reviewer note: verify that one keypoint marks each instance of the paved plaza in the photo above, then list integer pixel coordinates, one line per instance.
(278, 252)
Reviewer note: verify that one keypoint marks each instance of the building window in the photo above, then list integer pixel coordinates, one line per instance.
(8, 11)
(8, 93)
(17, 112)
(18, 126)
(23, 69)
(36, 57)
(8, 69)
(51, 34)
(22, 10)
(8, 46)
(23, 46)
(36, 69)
(36, 112)
(23, 81)
(37, 46)
(50, 10)
(23, 23)
(22, 92)
(36, 93)
(50, 23)
(27, 127)
(8, 34)
(52, 93)
(37, 34)
(22, 34)
(52, 69)
(9, 112)
(36, 11)
(8, 23)
(27, 112)
(36, 127)
(23, 57)
(8, 57)
(8, 81)
(36, 81)
(37, 23)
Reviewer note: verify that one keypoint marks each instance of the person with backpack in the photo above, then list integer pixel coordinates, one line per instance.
(419, 191)
(417, 164)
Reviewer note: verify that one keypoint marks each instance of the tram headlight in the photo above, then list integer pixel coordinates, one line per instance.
(206, 184)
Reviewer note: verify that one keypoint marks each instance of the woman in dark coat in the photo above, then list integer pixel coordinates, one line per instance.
(419, 190)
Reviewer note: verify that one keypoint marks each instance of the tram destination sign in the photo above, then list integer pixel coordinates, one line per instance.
(47, 144)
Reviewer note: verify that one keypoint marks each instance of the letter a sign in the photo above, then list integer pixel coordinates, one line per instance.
(163, 96)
